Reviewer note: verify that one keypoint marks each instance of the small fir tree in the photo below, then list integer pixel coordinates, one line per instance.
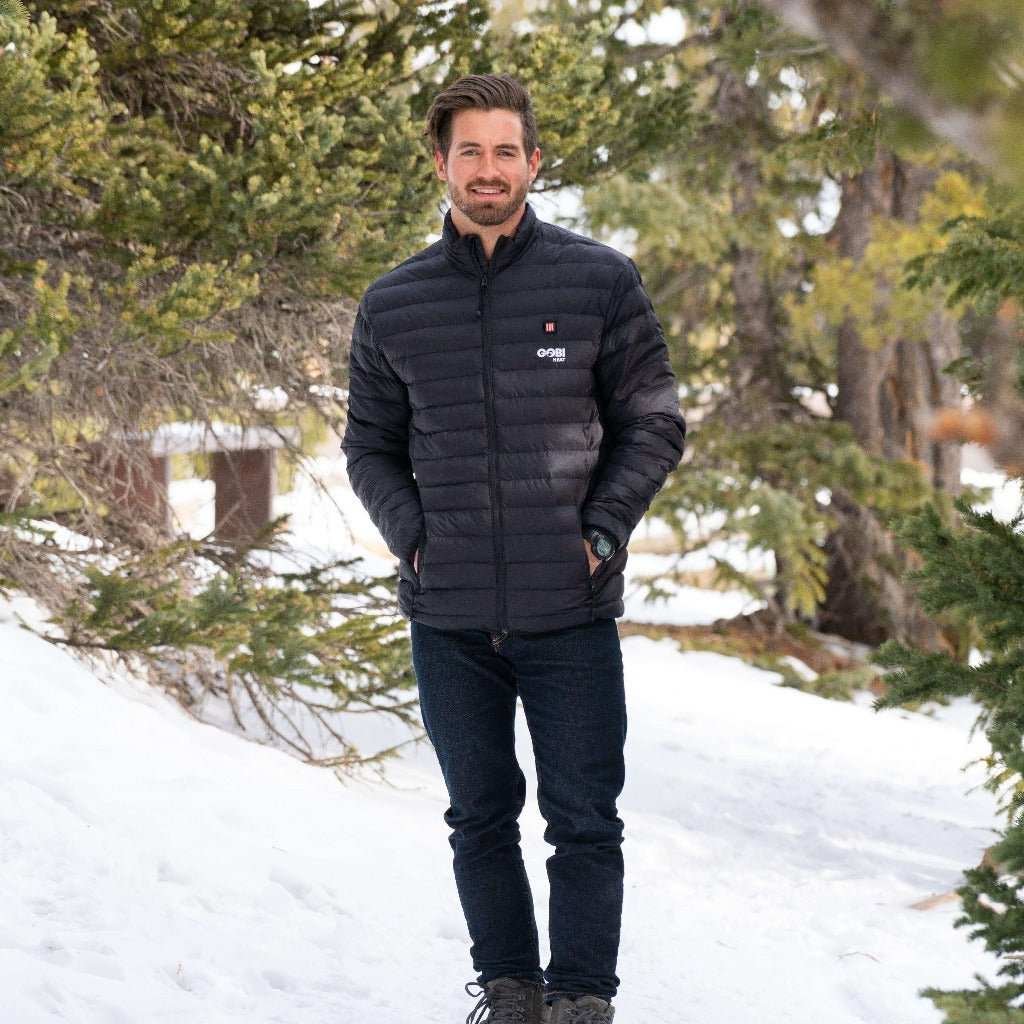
(974, 570)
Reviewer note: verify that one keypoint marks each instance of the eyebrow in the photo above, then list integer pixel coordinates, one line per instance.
(501, 145)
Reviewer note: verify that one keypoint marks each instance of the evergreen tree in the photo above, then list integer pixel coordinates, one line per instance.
(778, 324)
(192, 195)
(973, 570)
(188, 194)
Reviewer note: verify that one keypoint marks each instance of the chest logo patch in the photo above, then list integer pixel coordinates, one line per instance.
(556, 355)
(549, 326)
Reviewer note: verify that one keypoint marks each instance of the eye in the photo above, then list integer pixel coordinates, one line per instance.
(474, 151)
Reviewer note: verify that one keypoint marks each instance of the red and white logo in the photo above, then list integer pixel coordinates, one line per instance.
(549, 326)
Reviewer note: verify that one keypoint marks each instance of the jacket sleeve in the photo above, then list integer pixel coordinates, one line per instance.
(376, 443)
(638, 397)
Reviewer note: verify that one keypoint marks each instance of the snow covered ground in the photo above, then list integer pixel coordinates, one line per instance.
(155, 869)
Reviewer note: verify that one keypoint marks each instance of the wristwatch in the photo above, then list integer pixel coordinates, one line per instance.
(601, 543)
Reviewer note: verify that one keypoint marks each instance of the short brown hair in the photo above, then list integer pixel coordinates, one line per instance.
(480, 92)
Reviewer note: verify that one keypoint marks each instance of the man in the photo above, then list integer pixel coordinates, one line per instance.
(512, 413)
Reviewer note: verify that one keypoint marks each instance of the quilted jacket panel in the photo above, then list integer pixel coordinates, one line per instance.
(496, 408)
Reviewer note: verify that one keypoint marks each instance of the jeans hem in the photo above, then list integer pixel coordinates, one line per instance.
(535, 976)
(552, 995)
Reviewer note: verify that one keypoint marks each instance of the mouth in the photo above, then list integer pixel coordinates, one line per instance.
(487, 191)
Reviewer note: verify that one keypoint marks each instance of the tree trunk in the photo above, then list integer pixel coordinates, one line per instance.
(759, 393)
(887, 395)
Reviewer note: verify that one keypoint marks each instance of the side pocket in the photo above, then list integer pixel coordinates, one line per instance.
(586, 557)
(583, 544)
(601, 567)
(609, 567)
(418, 570)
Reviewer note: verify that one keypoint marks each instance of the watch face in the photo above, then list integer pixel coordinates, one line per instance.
(603, 547)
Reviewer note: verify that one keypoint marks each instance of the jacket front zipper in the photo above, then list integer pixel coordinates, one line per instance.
(492, 456)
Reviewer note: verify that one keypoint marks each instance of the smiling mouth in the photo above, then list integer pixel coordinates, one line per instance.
(488, 192)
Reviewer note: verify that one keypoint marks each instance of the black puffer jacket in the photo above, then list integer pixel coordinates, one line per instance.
(496, 408)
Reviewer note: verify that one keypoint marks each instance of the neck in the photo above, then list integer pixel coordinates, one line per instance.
(489, 233)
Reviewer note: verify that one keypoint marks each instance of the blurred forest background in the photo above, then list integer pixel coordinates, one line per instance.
(826, 201)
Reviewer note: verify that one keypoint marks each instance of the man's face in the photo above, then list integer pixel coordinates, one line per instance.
(486, 153)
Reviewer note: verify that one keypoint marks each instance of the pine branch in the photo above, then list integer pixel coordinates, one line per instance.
(864, 35)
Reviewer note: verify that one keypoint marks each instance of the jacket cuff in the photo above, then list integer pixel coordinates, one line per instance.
(404, 543)
(609, 524)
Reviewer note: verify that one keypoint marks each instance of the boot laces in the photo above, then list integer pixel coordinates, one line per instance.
(506, 1005)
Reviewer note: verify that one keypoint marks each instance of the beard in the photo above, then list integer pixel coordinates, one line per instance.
(487, 210)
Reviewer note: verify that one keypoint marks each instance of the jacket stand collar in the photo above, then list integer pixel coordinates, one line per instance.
(467, 251)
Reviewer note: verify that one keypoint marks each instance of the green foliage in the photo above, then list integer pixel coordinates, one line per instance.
(29, 349)
(174, 317)
(202, 147)
(992, 904)
(977, 569)
(990, 1005)
(962, 53)
(839, 684)
(13, 10)
(53, 119)
(261, 147)
(168, 171)
(324, 637)
(770, 487)
(192, 194)
(847, 291)
(983, 255)
(778, 522)
(708, 218)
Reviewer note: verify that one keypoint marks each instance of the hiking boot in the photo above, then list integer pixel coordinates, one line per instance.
(581, 1010)
(509, 1000)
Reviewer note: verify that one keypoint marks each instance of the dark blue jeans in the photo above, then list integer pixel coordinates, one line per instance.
(571, 684)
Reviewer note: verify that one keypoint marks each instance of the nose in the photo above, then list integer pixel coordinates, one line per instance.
(489, 167)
